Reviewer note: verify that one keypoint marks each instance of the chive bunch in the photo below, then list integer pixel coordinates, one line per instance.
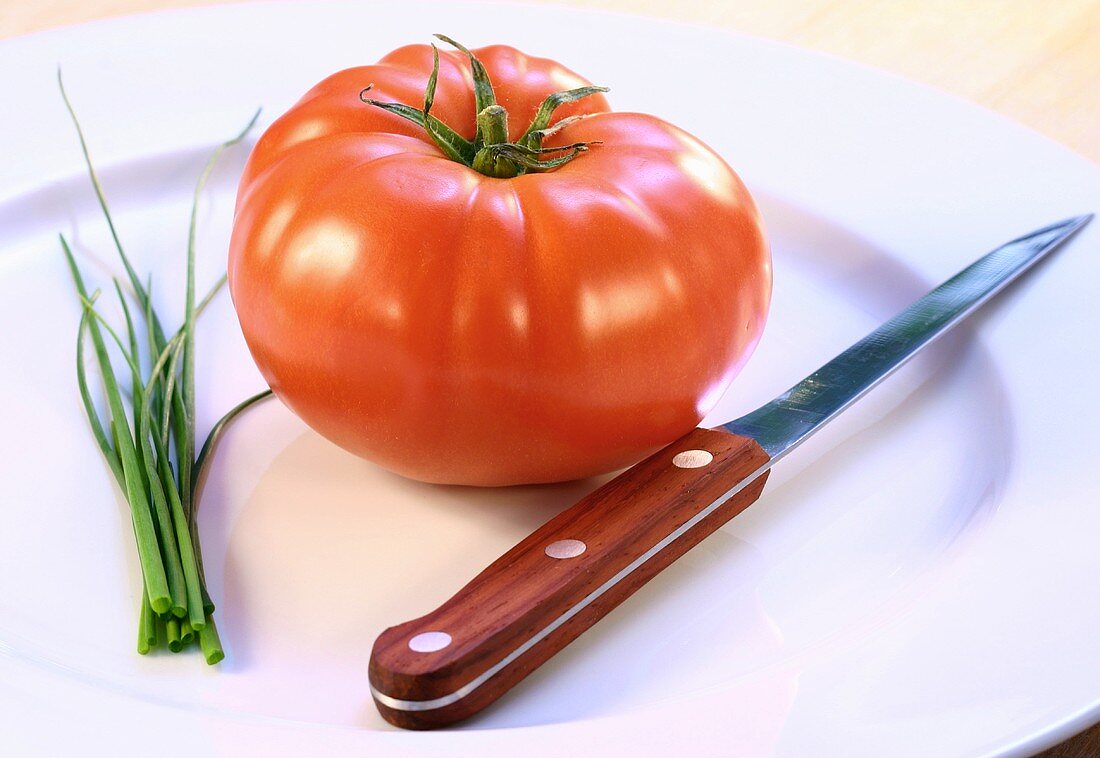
(147, 433)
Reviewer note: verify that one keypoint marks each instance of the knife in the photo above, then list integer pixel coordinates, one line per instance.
(563, 578)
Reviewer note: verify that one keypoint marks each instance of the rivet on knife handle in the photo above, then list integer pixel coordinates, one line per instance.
(561, 580)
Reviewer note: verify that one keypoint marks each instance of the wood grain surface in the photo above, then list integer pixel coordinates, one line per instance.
(1036, 62)
(533, 585)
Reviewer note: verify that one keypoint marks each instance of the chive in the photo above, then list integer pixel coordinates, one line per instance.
(135, 366)
(89, 407)
(194, 605)
(177, 585)
(153, 323)
(148, 622)
(188, 456)
(185, 442)
(156, 583)
(187, 546)
(175, 606)
(157, 486)
(160, 629)
(210, 643)
(172, 628)
(145, 625)
(99, 191)
(218, 429)
(210, 295)
(98, 321)
(172, 391)
(151, 345)
(207, 450)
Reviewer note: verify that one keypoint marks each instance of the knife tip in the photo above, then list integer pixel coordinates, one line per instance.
(1062, 230)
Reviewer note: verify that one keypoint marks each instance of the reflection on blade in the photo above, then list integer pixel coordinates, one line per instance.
(784, 423)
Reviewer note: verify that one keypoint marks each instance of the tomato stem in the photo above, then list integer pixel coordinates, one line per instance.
(491, 153)
(492, 125)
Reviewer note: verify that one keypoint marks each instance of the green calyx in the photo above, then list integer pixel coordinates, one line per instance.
(490, 152)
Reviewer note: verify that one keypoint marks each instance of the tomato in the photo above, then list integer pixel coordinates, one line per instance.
(560, 316)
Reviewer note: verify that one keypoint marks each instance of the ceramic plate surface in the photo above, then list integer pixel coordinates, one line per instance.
(920, 579)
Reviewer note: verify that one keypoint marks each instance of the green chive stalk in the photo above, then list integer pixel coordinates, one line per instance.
(147, 434)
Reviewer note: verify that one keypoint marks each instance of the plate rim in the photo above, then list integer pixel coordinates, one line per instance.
(1057, 731)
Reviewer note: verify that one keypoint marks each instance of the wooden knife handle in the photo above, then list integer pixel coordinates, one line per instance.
(544, 592)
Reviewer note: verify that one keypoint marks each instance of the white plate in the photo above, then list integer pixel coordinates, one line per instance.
(919, 580)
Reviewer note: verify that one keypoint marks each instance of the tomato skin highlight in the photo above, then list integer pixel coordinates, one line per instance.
(464, 329)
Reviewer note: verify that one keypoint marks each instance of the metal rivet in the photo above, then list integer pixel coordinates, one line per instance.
(565, 549)
(429, 642)
(692, 459)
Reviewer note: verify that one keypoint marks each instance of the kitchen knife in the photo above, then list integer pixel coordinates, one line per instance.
(559, 581)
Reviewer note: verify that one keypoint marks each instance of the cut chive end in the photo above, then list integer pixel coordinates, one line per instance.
(172, 627)
(210, 643)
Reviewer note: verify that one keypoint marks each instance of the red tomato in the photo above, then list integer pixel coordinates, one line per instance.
(462, 328)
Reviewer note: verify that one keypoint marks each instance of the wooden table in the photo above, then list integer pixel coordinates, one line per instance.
(1036, 62)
